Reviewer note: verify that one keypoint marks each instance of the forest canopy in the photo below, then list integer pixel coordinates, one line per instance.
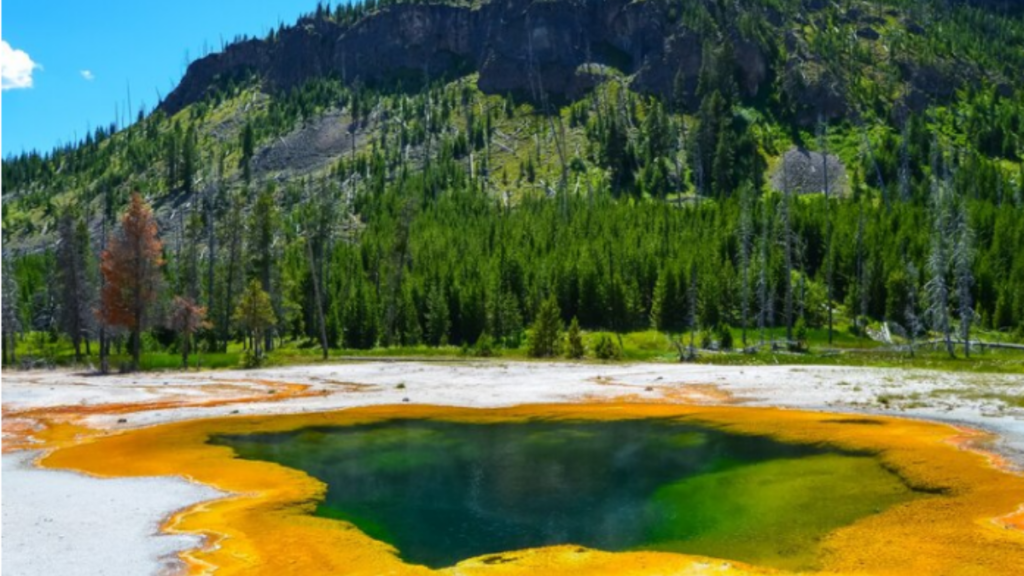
(441, 215)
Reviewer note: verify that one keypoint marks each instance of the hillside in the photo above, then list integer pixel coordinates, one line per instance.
(433, 172)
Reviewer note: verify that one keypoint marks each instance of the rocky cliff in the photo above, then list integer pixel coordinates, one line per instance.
(562, 48)
(557, 48)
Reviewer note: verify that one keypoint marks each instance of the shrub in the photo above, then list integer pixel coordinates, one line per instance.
(485, 346)
(725, 337)
(253, 359)
(607, 349)
(800, 333)
(706, 339)
(574, 341)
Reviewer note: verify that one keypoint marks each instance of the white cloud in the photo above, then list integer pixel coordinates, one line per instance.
(15, 67)
(88, 75)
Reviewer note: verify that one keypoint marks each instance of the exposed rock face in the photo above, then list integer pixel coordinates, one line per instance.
(803, 172)
(310, 147)
(535, 48)
(521, 46)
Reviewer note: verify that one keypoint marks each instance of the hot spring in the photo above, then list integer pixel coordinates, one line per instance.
(441, 491)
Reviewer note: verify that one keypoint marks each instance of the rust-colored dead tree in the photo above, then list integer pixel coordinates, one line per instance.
(187, 318)
(131, 270)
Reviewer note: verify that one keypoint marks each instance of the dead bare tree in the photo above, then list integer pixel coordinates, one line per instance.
(963, 259)
(863, 269)
(786, 239)
(105, 209)
(693, 312)
(823, 144)
(914, 325)
(764, 297)
(10, 317)
(72, 280)
(745, 232)
(937, 287)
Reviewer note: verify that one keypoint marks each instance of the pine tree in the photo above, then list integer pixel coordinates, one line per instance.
(574, 348)
(263, 229)
(189, 159)
(505, 319)
(171, 150)
(188, 264)
(606, 349)
(254, 315)
(360, 316)
(248, 148)
(709, 143)
(662, 301)
(234, 224)
(722, 168)
(438, 320)
(693, 319)
(546, 330)
(656, 134)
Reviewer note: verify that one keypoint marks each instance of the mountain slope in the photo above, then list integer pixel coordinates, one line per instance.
(815, 53)
(451, 165)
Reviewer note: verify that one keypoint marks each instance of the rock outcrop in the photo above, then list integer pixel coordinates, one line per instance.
(519, 46)
(552, 48)
(803, 172)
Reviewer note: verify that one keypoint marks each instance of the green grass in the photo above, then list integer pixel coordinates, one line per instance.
(642, 346)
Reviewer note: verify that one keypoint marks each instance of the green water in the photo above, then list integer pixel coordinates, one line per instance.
(441, 492)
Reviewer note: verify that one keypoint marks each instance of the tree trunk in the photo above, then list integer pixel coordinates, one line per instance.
(828, 225)
(104, 350)
(10, 341)
(104, 362)
(211, 256)
(232, 260)
(319, 303)
(136, 348)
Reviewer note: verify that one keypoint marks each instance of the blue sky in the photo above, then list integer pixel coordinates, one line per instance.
(87, 53)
